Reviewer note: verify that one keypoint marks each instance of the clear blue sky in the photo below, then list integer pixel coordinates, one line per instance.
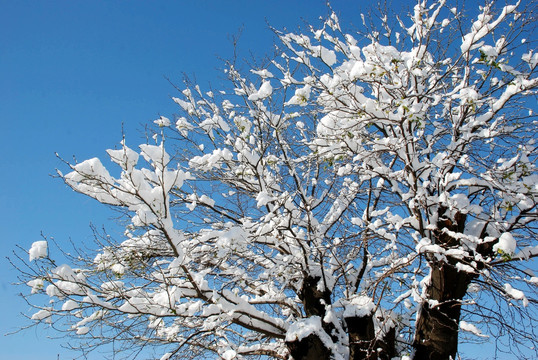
(71, 73)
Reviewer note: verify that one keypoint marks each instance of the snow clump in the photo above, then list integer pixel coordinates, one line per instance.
(38, 250)
(506, 244)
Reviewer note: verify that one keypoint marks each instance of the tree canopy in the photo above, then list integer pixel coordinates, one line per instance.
(357, 196)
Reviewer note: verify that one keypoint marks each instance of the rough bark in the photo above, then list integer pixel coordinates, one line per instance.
(363, 344)
(437, 327)
(314, 300)
(361, 337)
(386, 347)
(309, 348)
(314, 303)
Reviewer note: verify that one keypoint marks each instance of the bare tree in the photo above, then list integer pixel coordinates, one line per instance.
(355, 198)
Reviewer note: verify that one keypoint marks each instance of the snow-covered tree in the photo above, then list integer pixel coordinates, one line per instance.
(357, 197)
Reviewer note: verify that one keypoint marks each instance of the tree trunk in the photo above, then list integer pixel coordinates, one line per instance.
(309, 348)
(437, 326)
(363, 344)
(361, 335)
(314, 303)
(314, 300)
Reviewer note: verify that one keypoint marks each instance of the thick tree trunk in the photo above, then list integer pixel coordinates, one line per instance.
(437, 326)
(363, 344)
(314, 302)
(386, 347)
(361, 336)
(309, 348)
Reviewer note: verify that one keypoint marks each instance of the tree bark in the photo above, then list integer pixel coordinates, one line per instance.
(314, 300)
(437, 326)
(361, 337)
(314, 303)
(309, 348)
(363, 344)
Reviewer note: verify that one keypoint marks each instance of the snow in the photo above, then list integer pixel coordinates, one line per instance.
(359, 306)
(263, 198)
(531, 59)
(527, 252)
(229, 354)
(83, 330)
(464, 267)
(118, 269)
(212, 160)
(506, 244)
(301, 96)
(155, 154)
(69, 287)
(262, 73)
(204, 199)
(265, 91)
(162, 121)
(516, 294)
(91, 168)
(36, 285)
(489, 52)
(327, 56)
(125, 157)
(112, 285)
(482, 27)
(69, 305)
(41, 314)
(465, 326)
(64, 272)
(303, 328)
(38, 250)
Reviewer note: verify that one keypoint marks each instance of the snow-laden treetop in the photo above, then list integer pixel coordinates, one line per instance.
(389, 177)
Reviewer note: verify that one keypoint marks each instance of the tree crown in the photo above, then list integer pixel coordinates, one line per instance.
(335, 203)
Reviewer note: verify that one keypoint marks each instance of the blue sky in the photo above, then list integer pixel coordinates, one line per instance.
(72, 75)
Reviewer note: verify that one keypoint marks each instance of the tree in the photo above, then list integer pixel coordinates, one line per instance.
(362, 198)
